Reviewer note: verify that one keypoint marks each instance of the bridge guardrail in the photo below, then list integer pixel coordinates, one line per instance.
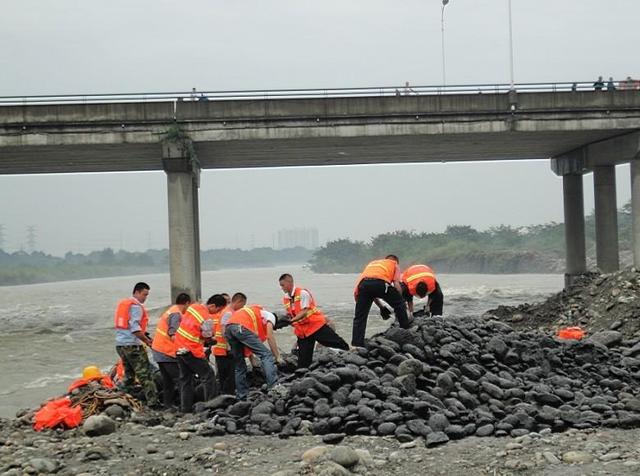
(379, 91)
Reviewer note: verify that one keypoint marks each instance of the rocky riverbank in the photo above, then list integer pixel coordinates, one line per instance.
(434, 396)
(608, 304)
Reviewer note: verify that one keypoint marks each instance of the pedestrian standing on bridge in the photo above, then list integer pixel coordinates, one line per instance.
(599, 84)
(611, 85)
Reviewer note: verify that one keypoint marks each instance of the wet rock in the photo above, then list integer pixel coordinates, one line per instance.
(240, 409)
(436, 438)
(577, 457)
(333, 438)
(97, 425)
(43, 465)
(314, 454)
(607, 338)
(344, 456)
(115, 411)
(410, 366)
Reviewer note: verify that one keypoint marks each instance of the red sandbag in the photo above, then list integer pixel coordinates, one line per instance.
(57, 413)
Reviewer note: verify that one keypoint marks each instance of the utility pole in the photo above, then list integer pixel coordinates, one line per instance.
(31, 238)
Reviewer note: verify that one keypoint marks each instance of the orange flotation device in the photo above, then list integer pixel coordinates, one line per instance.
(571, 333)
(57, 413)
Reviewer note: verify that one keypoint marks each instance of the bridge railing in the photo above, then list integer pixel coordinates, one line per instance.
(406, 90)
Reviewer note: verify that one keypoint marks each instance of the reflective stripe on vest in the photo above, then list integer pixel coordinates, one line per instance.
(221, 347)
(311, 321)
(415, 274)
(162, 341)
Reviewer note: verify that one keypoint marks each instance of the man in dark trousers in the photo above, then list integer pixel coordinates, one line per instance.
(380, 280)
(164, 347)
(309, 323)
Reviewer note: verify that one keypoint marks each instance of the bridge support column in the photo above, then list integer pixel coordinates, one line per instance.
(184, 228)
(576, 260)
(635, 211)
(604, 183)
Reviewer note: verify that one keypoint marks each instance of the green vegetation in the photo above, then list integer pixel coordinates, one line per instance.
(500, 249)
(28, 268)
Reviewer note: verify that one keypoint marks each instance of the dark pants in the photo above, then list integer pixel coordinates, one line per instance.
(436, 301)
(170, 379)
(136, 366)
(325, 336)
(226, 374)
(189, 367)
(368, 290)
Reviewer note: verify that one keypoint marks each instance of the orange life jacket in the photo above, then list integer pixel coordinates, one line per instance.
(121, 316)
(103, 380)
(384, 269)
(416, 274)
(57, 413)
(249, 318)
(313, 319)
(162, 341)
(221, 348)
(189, 334)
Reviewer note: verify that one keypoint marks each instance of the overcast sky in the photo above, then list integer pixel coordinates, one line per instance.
(80, 46)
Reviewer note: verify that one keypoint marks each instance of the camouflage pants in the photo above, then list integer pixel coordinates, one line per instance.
(136, 366)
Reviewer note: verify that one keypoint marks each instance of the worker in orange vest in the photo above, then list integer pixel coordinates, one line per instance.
(309, 323)
(247, 328)
(196, 329)
(164, 347)
(380, 280)
(131, 321)
(420, 280)
(221, 349)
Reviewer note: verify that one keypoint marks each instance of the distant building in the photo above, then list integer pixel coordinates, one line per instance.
(303, 237)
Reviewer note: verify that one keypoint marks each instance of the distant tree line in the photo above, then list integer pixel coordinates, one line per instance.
(26, 268)
(461, 248)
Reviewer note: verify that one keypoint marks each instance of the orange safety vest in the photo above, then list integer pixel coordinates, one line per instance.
(416, 274)
(189, 334)
(162, 341)
(249, 318)
(384, 269)
(313, 318)
(121, 317)
(221, 348)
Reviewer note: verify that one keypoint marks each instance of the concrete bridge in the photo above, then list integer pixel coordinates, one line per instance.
(579, 131)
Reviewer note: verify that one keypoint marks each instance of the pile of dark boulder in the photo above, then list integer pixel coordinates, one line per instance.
(444, 379)
(595, 302)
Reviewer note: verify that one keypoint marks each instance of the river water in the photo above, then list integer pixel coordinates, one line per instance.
(51, 331)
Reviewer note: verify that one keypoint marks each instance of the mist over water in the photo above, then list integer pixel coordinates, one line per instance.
(51, 331)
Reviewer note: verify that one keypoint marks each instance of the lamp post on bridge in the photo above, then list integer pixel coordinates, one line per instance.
(511, 82)
(444, 75)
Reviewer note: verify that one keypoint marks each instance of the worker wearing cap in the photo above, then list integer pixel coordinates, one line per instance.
(164, 347)
(380, 280)
(131, 321)
(420, 280)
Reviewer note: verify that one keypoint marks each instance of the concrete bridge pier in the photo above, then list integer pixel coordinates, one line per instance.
(183, 174)
(635, 210)
(606, 214)
(571, 170)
